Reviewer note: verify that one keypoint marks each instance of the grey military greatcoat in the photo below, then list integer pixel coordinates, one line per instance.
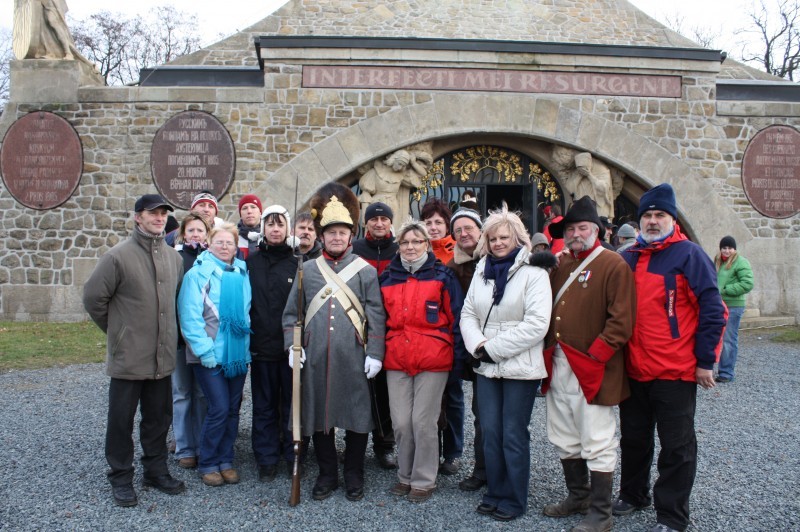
(335, 392)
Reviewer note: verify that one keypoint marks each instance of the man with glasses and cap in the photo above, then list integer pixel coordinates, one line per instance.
(131, 296)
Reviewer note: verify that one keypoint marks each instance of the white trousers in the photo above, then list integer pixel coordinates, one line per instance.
(576, 428)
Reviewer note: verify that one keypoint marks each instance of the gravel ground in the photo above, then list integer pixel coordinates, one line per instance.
(51, 455)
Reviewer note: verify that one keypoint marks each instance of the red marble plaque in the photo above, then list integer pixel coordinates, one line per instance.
(41, 160)
(771, 171)
(192, 152)
(488, 80)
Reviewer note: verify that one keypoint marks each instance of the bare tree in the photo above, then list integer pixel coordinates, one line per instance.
(120, 46)
(702, 35)
(6, 55)
(104, 39)
(777, 29)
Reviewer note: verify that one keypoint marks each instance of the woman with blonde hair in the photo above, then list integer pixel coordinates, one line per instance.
(423, 301)
(214, 311)
(505, 318)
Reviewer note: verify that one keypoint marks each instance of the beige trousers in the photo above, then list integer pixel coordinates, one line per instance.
(576, 428)
(415, 403)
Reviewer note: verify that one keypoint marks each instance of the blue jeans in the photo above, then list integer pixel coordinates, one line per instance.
(271, 385)
(188, 408)
(453, 434)
(730, 343)
(221, 425)
(505, 407)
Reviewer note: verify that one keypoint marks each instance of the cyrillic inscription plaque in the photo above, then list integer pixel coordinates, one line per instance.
(192, 152)
(41, 160)
(771, 171)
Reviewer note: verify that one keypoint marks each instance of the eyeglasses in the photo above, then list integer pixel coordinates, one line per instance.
(223, 244)
(415, 243)
(467, 230)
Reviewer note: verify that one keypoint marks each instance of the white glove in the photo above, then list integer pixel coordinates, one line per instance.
(302, 357)
(372, 367)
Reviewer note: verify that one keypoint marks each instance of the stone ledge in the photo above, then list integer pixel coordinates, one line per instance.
(170, 94)
(731, 108)
(766, 322)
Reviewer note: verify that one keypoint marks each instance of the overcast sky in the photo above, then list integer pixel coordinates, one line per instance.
(225, 17)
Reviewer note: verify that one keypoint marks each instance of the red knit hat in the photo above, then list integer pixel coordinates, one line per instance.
(250, 198)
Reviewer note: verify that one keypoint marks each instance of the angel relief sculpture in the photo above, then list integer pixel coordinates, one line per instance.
(391, 180)
(583, 175)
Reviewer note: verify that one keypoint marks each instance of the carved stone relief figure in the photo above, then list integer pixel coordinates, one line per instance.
(392, 179)
(583, 175)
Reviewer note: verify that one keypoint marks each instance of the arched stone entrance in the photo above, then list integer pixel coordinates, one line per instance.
(492, 175)
(519, 119)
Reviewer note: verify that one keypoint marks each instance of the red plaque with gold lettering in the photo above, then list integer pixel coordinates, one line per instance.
(192, 152)
(771, 171)
(41, 160)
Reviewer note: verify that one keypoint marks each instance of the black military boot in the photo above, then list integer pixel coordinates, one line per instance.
(576, 475)
(599, 517)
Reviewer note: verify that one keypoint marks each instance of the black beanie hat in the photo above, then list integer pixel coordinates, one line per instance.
(583, 210)
(727, 242)
(659, 198)
(378, 209)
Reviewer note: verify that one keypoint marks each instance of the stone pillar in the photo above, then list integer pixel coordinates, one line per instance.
(49, 80)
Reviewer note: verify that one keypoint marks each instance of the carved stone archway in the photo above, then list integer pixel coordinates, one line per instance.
(551, 119)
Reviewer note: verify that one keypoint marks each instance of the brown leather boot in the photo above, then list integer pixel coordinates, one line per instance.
(576, 475)
(599, 517)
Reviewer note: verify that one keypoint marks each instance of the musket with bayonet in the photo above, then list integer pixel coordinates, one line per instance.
(297, 350)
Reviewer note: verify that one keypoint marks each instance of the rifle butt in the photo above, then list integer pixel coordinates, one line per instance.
(294, 496)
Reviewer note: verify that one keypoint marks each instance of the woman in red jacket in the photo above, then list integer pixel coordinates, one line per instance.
(423, 301)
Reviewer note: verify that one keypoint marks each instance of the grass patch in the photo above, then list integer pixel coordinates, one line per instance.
(788, 335)
(34, 345)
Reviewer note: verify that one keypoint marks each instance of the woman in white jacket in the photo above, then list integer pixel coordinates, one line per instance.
(503, 322)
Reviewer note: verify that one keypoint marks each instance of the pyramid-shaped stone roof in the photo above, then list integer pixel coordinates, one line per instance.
(610, 22)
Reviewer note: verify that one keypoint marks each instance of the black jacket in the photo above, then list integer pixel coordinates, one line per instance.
(272, 271)
(189, 255)
(379, 253)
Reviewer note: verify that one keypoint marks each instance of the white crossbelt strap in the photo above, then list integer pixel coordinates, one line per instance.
(593, 255)
(336, 287)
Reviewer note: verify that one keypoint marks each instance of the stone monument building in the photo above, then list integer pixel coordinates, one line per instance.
(533, 103)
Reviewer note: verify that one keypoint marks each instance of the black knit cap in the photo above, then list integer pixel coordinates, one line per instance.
(727, 242)
(378, 209)
(583, 210)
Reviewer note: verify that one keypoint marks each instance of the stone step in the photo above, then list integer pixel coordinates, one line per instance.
(751, 313)
(765, 322)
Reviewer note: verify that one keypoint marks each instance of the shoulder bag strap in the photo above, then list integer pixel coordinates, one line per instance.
(572, 276)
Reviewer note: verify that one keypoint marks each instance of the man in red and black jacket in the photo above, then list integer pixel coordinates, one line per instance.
(680, 319)
(378, 248)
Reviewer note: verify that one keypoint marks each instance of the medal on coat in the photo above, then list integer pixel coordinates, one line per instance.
(584, 277)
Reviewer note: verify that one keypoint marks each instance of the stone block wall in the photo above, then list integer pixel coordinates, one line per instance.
(45, 256)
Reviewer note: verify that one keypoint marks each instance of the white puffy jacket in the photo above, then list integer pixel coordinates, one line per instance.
(516, 328)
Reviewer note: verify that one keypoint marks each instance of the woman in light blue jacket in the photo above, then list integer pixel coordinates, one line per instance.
(214, 313)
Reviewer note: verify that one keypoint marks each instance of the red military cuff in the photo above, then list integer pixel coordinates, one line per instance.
(601, 350)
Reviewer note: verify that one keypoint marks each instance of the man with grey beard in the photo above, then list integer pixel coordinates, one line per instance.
(593, 314)
(673, 349)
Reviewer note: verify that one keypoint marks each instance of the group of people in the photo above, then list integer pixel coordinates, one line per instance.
(392, 324)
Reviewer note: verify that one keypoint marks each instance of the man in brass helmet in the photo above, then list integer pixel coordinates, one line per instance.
(343, 342)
